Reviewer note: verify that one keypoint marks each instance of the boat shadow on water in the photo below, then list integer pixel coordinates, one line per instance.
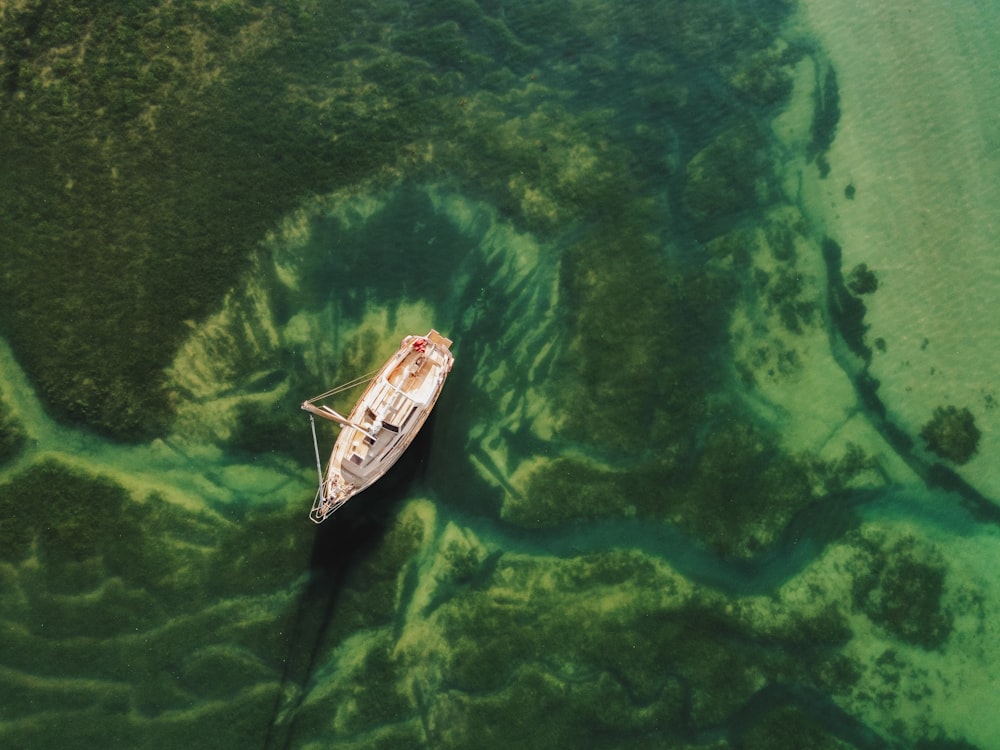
(357, 527)
(341, 543)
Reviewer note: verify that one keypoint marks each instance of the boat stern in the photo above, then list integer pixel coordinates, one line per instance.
(436, 338)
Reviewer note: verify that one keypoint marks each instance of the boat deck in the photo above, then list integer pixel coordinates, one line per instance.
(391, 411)
(384, 421)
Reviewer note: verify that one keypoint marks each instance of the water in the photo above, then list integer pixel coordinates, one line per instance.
(675, 492)
(915, 137)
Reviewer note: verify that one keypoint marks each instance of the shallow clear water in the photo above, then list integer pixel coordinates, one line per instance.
(686, 486)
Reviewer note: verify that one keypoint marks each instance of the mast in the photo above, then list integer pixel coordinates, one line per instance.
(327, 413)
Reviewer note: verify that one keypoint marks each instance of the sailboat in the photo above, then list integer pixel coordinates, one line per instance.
(383, 422)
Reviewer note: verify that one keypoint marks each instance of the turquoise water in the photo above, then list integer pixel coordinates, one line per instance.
(714, 466)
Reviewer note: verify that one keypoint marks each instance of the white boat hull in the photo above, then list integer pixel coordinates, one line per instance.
(384, 421)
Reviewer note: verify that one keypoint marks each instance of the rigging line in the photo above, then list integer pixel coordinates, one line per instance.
(338, 389)
(319, 463)
(345, 386)
(356, 382)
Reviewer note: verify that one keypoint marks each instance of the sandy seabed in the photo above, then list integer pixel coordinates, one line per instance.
(917, 142)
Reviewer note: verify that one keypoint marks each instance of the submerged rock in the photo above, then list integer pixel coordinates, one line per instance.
(861, 280)
(952, 434)
(902, 593)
